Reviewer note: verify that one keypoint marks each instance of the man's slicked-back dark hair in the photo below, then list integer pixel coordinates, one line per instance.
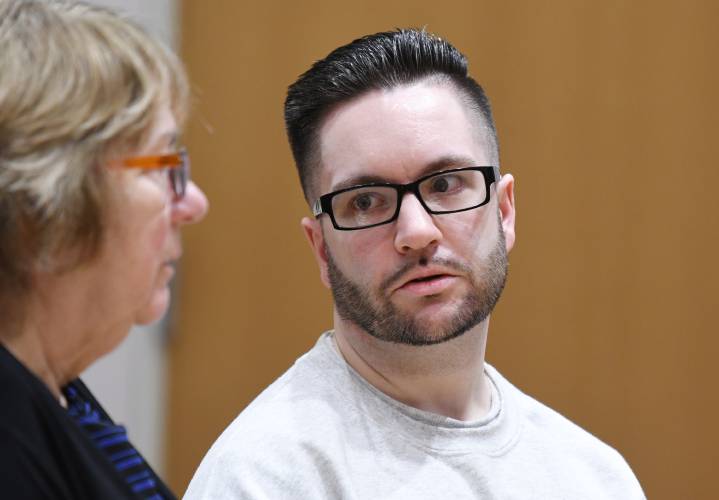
(380, 61)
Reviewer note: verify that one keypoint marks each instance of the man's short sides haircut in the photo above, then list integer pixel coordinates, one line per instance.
(381, 61)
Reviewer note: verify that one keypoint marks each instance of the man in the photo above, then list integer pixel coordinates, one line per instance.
(397, 155)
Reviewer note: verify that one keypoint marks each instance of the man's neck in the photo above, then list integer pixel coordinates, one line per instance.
(447, 379)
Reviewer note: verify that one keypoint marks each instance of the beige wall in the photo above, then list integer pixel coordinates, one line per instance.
(607, 115)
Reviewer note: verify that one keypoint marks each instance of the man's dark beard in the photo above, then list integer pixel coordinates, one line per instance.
(385, 322)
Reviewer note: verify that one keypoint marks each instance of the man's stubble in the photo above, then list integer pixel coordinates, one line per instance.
(376, 315)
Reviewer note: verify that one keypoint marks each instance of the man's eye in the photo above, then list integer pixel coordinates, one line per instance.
(445, 183)
(365, 201)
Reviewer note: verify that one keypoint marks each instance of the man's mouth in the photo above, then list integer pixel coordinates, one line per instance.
(426, 278)
(427, 284)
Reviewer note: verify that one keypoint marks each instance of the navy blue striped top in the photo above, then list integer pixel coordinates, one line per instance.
(112, 440)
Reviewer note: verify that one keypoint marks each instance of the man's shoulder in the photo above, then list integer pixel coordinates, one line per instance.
(301, 404)
(539, 418)
(289, 423)
(544, 428)
(291, 408)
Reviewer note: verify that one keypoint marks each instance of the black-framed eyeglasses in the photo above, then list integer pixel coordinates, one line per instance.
(176, 164)
(370, 205)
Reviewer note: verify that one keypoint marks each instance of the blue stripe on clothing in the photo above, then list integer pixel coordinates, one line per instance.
(126, 464)
(106, 432)
(136, 477)
(112, 440)
(123, 454)
(104, 443)
(144, 485)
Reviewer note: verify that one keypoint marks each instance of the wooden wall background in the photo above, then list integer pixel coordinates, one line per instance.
(607, 114)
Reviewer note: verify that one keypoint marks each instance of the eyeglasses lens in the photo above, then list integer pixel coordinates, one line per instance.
(453, 191)
(442, 193)
(179, 176)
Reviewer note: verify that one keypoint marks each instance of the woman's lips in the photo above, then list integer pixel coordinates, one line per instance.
(168, 270)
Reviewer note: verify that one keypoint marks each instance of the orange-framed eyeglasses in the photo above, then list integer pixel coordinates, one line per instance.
(176, 164)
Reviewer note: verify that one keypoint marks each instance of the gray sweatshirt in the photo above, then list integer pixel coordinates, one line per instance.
(321, 431)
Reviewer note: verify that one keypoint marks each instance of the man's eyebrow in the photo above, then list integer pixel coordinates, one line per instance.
(359, 180)
(447, 162)
(442, 163)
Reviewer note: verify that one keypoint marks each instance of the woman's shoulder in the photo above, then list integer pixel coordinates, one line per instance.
(22, 396)
(27, 451)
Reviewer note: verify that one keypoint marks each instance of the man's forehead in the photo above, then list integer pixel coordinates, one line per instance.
(397, 135)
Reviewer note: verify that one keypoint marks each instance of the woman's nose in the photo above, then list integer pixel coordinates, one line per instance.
(190, 208)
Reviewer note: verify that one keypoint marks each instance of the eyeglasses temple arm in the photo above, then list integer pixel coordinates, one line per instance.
(317, 208)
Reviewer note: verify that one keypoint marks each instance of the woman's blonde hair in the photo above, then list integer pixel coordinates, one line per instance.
(79, 85)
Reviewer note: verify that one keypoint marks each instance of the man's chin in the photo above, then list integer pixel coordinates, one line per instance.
(418, 337)
(418, 330)
(431, 311)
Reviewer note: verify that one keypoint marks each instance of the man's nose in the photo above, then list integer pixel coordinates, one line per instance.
(416, 229)
(190, 208)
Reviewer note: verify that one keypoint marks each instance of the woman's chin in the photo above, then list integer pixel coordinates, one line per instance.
(155, 308)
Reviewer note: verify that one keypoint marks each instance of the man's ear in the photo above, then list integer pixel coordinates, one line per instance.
(505, 197)
(313, 232)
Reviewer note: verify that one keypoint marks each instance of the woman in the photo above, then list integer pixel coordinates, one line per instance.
(93, 193)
